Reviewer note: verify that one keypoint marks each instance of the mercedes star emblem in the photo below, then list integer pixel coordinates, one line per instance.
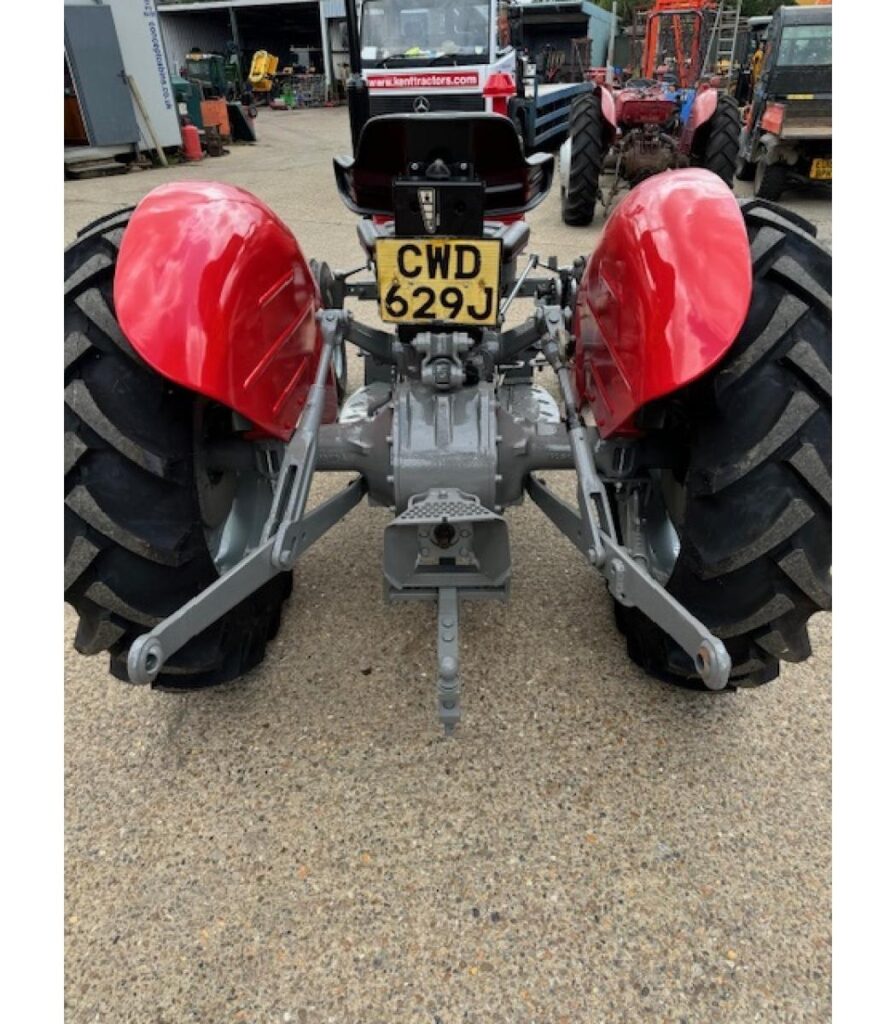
(421, 105)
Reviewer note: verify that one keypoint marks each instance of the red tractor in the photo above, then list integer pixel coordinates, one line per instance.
(690, 353)
(674, 116)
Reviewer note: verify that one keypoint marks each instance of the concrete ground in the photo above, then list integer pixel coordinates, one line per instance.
(303, 846)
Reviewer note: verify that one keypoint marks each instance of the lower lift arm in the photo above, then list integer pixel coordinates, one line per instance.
(287, 533)
(592, 531)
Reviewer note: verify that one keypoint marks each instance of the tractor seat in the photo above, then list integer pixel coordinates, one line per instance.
(482, 147)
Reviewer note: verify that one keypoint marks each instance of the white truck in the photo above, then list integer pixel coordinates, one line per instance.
(441, 55)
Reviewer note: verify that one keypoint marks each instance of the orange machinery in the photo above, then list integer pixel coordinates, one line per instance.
(687, 21)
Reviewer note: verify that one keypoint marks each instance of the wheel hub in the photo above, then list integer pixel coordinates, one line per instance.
(234, 485)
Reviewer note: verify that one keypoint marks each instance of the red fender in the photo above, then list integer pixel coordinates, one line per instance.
(608, 109)
(663, 295)
(705, 103)
(213, 291)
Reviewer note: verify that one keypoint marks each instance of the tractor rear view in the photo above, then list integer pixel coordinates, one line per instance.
(787, 140)
(675, 115)
(689, 354)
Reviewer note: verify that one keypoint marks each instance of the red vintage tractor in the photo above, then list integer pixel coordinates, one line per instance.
(676, 115)
(691, 354)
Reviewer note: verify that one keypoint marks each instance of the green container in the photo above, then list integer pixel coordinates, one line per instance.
(190, 95)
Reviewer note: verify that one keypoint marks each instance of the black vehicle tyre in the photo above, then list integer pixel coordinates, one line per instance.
(516, 111)
(770, 180)
(588, 152)
(520, 125)
(722, 140)
(750, 497)
(141, 505)
(744, 170)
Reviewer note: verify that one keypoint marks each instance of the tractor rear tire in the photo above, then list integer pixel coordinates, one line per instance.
(587, 158)
(723, 140)
(137, 497)
(770, 180)
(751, 495)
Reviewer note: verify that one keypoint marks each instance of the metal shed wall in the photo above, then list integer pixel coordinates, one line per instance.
(599, 28)
(142, 51)
(210, 31)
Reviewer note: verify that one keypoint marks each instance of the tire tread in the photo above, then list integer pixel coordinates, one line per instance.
(588, 152)
(723, 140)
(756, 540)
(135, 550)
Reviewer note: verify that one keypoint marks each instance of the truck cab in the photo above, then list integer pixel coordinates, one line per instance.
(428, 55)
(787, 138)
(422, 56)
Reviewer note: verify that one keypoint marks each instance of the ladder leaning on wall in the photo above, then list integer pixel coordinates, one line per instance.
(723, 38)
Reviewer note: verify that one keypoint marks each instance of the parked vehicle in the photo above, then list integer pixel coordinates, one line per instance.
(669, 118)
(787, 140)
(690, 349)
(419, 56)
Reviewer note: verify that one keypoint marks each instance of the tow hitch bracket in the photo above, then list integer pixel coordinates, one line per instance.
(445, 546)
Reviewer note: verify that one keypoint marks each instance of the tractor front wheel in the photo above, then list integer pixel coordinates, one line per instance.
(586, 160)
(737, 520)
(162, 490)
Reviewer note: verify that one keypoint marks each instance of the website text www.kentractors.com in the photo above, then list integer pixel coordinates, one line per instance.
(457, 80)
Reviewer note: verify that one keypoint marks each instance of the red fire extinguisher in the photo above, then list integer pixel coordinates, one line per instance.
(189, 134)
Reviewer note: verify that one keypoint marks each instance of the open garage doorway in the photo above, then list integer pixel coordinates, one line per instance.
(289, 31)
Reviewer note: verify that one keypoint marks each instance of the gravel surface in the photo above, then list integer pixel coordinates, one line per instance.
(304, 846)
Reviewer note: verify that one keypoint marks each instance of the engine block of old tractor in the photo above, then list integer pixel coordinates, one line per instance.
(648, 150)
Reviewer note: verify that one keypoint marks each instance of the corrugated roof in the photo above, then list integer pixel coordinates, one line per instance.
(175, 7)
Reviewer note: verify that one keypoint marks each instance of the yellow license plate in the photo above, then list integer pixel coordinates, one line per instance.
(822, 170)
(439, 280)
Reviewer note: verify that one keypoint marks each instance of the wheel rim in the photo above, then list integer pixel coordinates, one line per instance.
(663, 521)
(234, 484)
(660, 510)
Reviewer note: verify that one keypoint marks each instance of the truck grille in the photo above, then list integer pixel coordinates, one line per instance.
(404, 104)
